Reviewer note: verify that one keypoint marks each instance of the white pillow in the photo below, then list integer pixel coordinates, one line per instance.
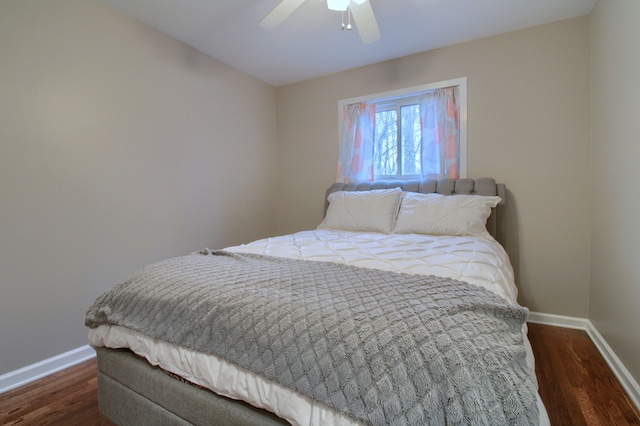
(368, 211)
(436, 214)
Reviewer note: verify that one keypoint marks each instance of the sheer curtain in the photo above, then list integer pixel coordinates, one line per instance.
(355, 157)
(439, 144)
(440, 128)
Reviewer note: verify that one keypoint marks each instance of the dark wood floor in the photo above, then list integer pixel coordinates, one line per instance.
(67, 398)
(576, 385)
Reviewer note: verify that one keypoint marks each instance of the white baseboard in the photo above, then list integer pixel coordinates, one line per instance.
(30, 373)
(626, 379)
(558, 320)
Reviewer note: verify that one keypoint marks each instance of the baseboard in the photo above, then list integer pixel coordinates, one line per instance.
(559, 320)
(30, 373)
(626, 379)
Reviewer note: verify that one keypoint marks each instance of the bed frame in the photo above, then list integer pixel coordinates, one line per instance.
(133, 392)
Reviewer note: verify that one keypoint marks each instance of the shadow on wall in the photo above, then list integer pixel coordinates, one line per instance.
(512, 238)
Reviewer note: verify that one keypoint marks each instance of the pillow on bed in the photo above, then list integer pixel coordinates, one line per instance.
(436, 214)
(367, 211)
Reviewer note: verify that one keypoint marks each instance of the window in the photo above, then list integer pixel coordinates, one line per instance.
(396, 139)
(408, 134)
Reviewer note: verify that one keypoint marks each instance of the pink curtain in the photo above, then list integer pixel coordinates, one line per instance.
(439, 145)
(355, 158)
(440, 125)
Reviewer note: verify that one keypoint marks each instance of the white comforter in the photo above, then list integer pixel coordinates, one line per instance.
(477, 260)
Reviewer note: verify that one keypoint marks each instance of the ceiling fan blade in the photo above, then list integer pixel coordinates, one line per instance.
(280, 13)
(365, 21)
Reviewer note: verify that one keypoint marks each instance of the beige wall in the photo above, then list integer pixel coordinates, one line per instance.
(114, 140)
(615, 276)
(528, 126)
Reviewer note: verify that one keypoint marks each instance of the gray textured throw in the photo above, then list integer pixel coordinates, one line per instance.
(381, 347)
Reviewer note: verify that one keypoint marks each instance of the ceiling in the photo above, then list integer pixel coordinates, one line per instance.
(309, 43)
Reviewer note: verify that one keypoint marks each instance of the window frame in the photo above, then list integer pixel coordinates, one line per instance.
(399, 97)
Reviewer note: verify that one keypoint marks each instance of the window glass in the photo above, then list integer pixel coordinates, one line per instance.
(410, 137)
(385, 149)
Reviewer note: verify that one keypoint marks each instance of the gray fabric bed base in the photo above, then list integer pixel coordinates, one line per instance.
(132, 392)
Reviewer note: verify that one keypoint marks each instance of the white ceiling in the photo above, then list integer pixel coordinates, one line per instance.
(310, 43)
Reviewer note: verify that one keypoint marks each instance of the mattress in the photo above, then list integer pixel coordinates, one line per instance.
(479, 261)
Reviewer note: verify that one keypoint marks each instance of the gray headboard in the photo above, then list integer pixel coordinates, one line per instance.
(483, 186)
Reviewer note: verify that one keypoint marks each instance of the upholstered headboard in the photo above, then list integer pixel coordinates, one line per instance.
(483, 186)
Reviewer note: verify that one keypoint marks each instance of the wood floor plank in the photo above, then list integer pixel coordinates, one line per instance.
(576, 385)
(68, 398)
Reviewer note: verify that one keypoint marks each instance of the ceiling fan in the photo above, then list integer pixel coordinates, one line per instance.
(360, 10)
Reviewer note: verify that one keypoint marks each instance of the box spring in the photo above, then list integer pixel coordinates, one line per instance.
(131, 391)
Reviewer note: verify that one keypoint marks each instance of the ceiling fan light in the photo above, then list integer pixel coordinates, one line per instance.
(340, 5)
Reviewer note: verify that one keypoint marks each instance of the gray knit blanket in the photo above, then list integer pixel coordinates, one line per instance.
(381, 347)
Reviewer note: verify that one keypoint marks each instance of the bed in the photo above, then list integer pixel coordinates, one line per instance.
(400, 308)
